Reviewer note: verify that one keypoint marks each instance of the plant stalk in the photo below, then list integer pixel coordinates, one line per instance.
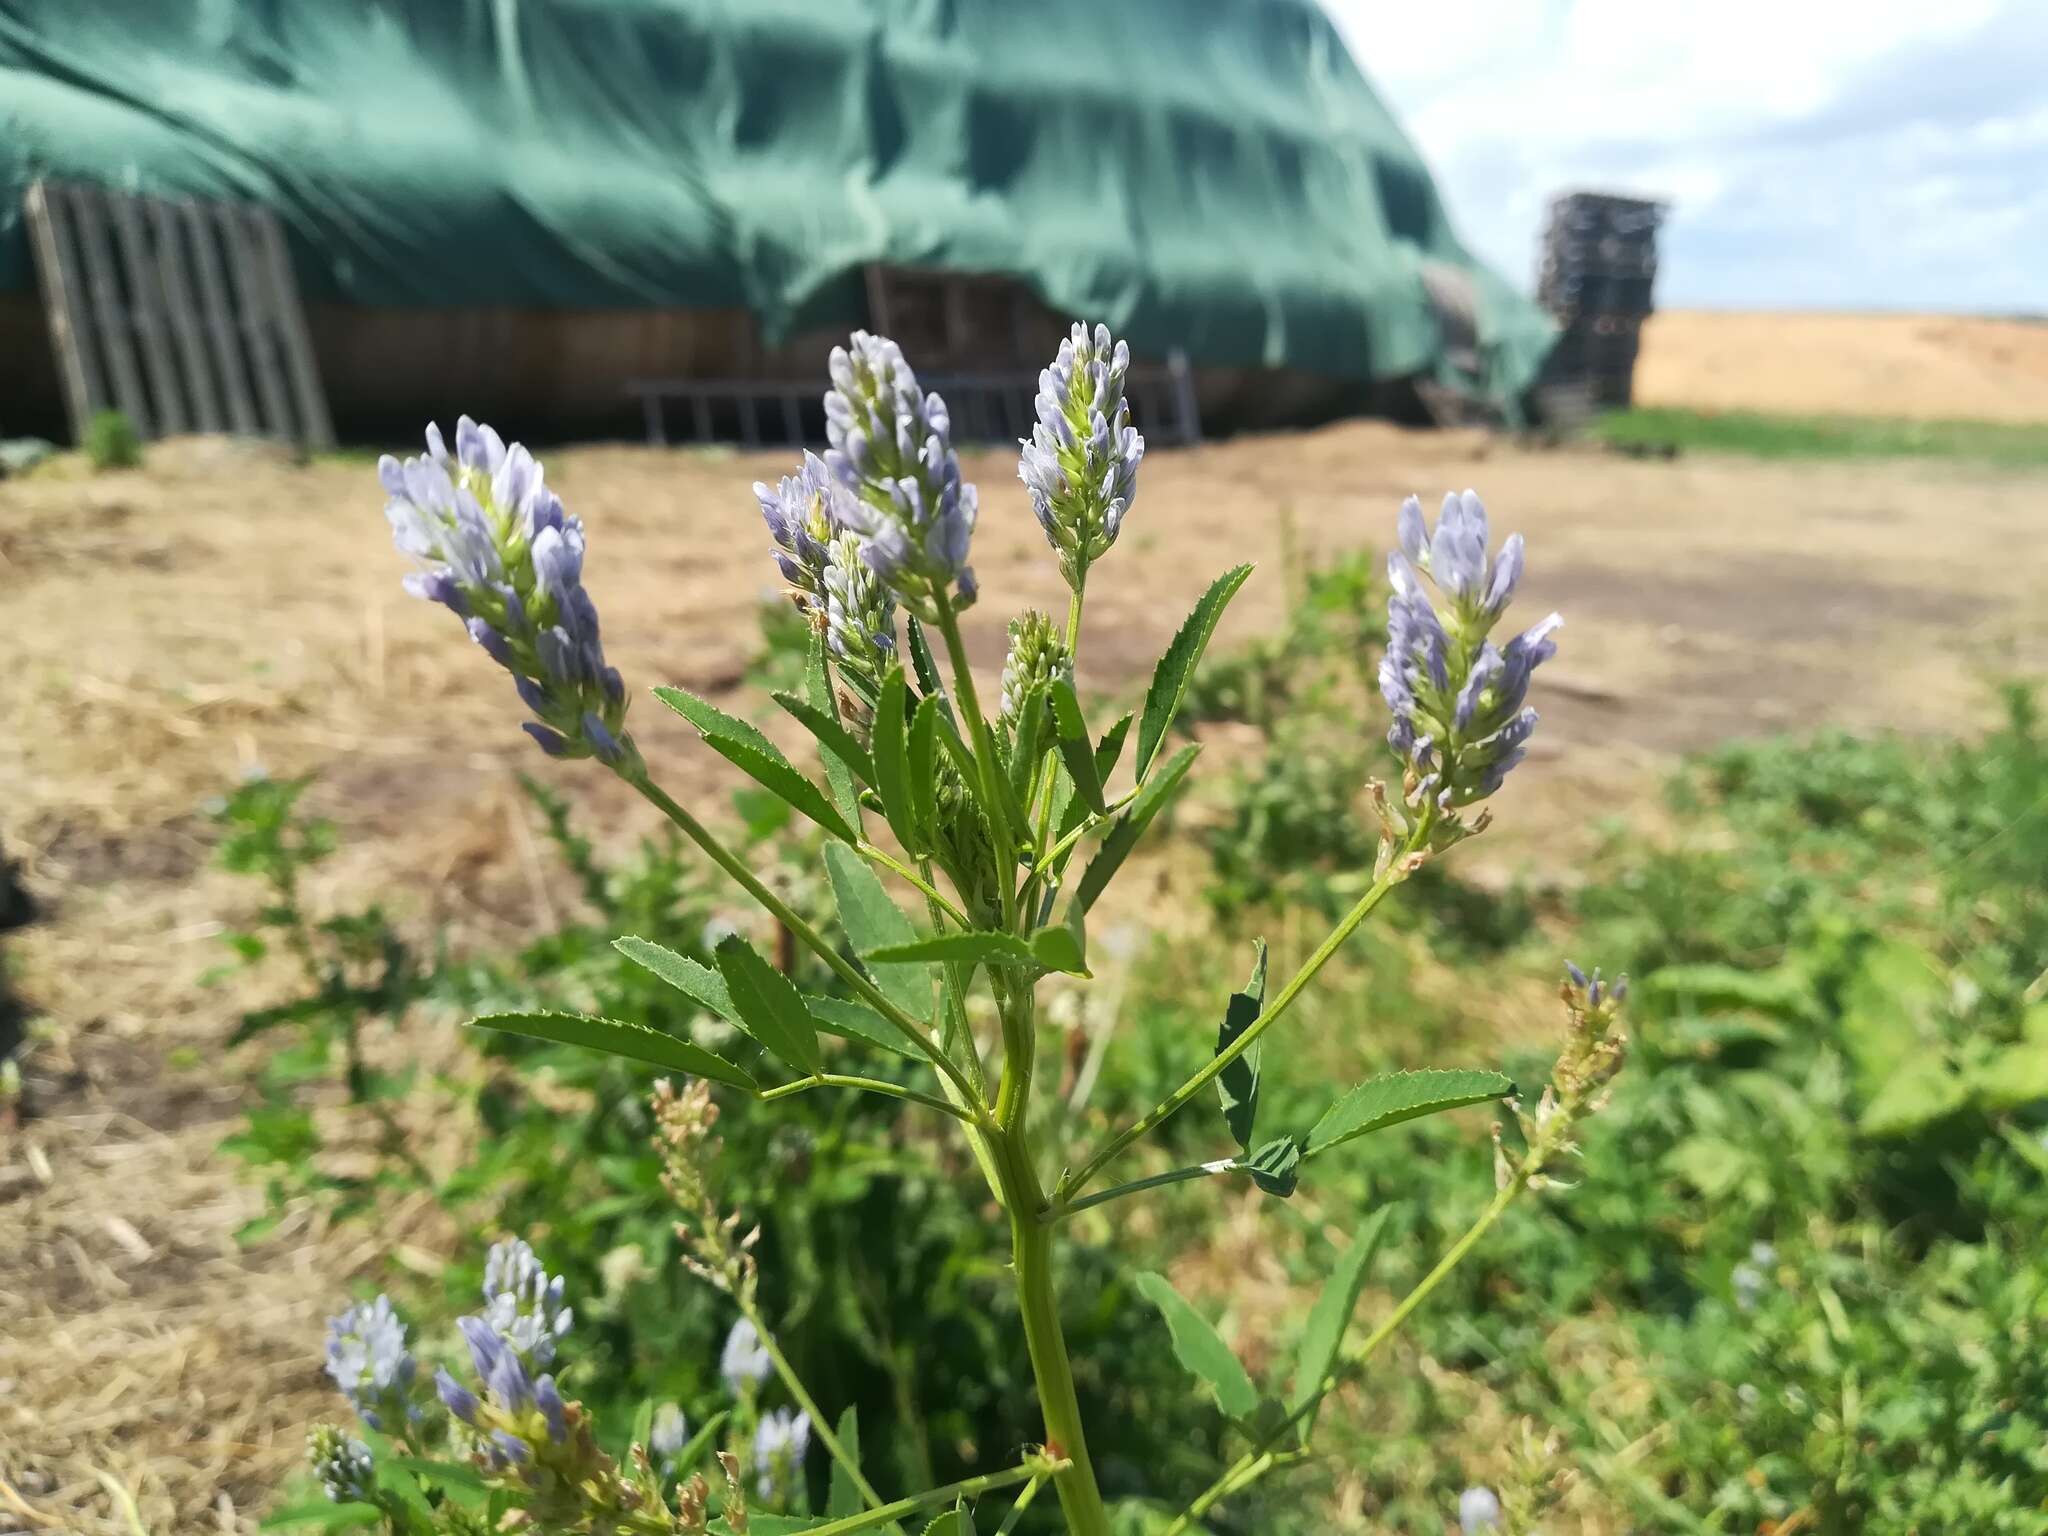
(1031, 1248)
(820, 1425)
(1268, 1017)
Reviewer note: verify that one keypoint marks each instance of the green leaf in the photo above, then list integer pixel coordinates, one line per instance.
(926, 667)
(892, 762)
(1893, 1012)
(1389, 1100)
(1064, 946)
(700, 983)
(1713, 1165)
(1331, 1316)
(1275, 1167)
(1076, 749)
(1784, 992)
(612, 1037)
(843, 751)
(1125, 831)
(844, 1498)
(1024, 744)
(1916, 1096)
(1200, 1350)
(923, 784)
(873, 921)
(754, 754)
(2013, 1077)
(1238, 1083)
(770, 1007)
(1177, 667)
(982, 948)
(836, 744)
(849, 1020)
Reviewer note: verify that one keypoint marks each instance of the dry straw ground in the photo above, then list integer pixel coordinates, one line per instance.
(174, 628)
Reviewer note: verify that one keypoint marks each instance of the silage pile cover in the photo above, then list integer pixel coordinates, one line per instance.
(1212, 174)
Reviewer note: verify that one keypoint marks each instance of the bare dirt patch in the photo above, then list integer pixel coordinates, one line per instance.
(173, 628)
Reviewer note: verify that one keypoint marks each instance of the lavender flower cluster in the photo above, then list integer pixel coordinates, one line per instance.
(892, 446)
(818, 528)
(1081, 461)
(1458, 701)
(513, 1417)
(496, 548)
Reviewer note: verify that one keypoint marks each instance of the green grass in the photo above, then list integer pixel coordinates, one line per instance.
(1763, 436)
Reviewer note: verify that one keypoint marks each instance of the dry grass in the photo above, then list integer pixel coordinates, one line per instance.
(1920, 367)
(173, 628)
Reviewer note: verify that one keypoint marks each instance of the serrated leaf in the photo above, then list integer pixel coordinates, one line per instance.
(1385, 1101)
(840, 754)
(849, 1020)
(926, 667)
(1200, 1349)
(1275, 1167)
(612, 1037)
(836, 744)
(769, 1006)
(872, 921)
(844, 1498)
(1238, 1083)
(755, 755)
(1077, 750)
(699, 983)
(1130, 825)
(923, 783)
(1176, 668)
(1331, 1316)
(977, 948)
(892, 760)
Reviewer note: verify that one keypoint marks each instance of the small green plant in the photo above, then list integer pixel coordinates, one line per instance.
(111, 442)
(350, 969)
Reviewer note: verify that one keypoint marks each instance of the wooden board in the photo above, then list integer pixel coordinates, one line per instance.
(166, 311)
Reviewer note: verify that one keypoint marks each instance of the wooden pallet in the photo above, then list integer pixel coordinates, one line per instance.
(183, 315)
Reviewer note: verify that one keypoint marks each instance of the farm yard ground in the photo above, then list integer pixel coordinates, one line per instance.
(220, 612)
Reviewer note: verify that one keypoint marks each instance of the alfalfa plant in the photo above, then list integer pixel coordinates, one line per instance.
(1005, 831)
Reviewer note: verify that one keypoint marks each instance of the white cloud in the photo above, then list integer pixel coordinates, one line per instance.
(1883, 154)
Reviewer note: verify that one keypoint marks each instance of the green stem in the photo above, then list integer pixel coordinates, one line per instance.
(1074, 617)
(1031, 1249)
(967, 1488)
(1049, 863)
(1346, 926)
(1017, 1509)
(929, 891)
(869, 1085)
(847, 972)
(1118, 1191)
(1261, 1458)
(820, 1425)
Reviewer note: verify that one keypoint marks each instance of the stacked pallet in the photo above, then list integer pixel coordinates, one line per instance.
(1598, 267)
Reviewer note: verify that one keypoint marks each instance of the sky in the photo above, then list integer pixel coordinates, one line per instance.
(1881, 154)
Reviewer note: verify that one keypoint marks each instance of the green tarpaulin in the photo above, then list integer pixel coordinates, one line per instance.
(1210, 174)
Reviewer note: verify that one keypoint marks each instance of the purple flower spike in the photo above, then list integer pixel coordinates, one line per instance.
(892, 449)
(1456, 698)
(1080, 463)
(496, 548)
